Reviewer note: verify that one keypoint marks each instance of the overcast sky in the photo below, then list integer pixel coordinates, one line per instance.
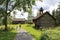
(48, 5)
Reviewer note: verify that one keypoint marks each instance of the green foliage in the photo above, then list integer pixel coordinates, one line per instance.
(1, 1)
(41, 0)
(0, 21)
(44, 37)
(25, 4)
(57, 14)
(9, 20)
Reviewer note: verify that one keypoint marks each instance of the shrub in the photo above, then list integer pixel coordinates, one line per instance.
(44, 37)
(52, 34)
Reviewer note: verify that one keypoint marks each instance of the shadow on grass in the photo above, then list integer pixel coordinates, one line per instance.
(7, 35)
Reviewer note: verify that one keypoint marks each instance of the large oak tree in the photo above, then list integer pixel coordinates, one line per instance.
(10, 5)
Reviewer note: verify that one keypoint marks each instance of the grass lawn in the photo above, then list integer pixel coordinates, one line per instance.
(52, 33)
(35, 33)
(8, 35)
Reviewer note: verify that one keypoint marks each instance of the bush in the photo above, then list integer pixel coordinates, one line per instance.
(51, 34)
(44, 37)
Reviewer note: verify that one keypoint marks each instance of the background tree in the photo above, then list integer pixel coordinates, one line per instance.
(57, 15)
(54, 13)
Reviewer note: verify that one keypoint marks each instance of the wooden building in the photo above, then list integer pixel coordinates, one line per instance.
(45, 20)
(18, 20)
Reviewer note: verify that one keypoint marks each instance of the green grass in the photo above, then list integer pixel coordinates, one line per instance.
(8, 35)
(35, 33)
(54, 34)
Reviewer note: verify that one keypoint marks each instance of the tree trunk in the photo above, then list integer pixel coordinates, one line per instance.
(6, 15)
(5, 22)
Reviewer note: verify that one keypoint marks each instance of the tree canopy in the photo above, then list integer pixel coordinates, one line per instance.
(10, 5)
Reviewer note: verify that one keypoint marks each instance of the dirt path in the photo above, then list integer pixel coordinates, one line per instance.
(23, 35)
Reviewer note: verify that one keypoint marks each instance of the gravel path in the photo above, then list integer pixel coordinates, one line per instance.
(23, 35)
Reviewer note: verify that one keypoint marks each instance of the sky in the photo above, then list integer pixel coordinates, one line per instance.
(48, 5)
